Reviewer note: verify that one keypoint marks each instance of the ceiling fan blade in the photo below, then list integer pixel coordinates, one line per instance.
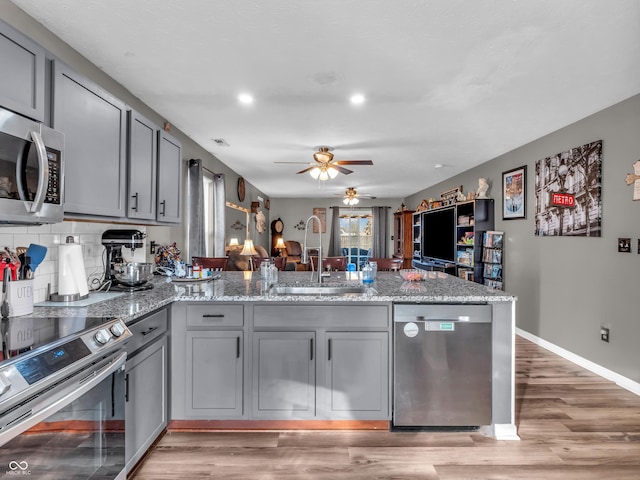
(300, 163)
(341, 169)
(306, 170)
(353, 162)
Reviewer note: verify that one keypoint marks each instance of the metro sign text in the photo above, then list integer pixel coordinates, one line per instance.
(563, 200)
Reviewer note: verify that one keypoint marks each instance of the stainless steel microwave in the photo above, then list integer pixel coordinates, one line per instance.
(31, 171)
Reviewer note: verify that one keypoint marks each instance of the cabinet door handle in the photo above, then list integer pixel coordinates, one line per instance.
(126, 388)
(329, 350)
(311, 349)
(135, 208)
(213, 315)
(238, 347)
(163, 203)
(148, 331)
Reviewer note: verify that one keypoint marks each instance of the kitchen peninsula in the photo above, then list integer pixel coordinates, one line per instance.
(240, 353)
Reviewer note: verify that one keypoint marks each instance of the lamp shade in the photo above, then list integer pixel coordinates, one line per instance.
(233, 242)
(280, 243)
(248, 248)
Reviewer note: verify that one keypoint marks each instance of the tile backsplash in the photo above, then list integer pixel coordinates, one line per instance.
(87, 234)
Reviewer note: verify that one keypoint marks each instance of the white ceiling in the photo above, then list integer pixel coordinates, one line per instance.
(452, 82)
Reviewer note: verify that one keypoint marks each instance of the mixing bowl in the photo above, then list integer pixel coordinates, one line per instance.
(133, 274)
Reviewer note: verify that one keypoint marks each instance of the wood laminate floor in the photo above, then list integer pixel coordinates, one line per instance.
(573, 425)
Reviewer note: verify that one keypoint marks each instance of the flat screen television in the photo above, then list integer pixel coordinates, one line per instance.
(438, 235)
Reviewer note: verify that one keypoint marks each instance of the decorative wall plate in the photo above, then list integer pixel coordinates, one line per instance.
(241, 189)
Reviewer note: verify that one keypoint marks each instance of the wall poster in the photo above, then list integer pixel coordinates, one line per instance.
(568, 189)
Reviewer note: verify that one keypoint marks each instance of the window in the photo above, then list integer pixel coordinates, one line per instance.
(356, 237)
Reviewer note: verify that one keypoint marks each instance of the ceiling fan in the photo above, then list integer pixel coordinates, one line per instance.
(352, 197)
(326, 167)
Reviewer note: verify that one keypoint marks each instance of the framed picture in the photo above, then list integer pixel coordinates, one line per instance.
(321, 213)
(514, 194)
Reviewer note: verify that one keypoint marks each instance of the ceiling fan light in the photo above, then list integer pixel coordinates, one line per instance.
(314, 172)
(333, 173)
(345, 201)
(323, 175)
(354, 201)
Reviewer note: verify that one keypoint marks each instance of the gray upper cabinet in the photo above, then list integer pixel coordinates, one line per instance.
(142, 156)
(169, 178)
(22, 83)
(94, 124)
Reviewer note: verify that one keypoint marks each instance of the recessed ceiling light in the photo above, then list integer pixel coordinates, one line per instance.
(245, 99)
(357, 99)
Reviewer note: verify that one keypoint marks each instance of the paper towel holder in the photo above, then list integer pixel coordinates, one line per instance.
(71, 297)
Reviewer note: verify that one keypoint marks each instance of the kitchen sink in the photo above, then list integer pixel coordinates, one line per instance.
(318, 289)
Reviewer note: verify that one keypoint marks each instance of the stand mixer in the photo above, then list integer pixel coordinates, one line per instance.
(114, 241)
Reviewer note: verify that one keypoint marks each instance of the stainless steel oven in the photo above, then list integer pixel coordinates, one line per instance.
(31, 171)
(62, 402)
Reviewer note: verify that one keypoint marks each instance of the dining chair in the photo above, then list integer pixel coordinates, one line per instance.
(387, 264)
(337, 264)
(212, 263)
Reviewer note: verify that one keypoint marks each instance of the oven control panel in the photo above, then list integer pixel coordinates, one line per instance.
(45, 365)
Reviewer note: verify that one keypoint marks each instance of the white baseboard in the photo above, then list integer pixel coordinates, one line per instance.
(624, 382)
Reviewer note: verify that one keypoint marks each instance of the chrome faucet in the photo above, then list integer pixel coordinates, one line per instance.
(305, 250)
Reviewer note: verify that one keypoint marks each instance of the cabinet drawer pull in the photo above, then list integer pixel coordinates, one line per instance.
(164, 206)
(213, 315)
(149, 330)
(311, 349)
(237, 347)
(135, 207)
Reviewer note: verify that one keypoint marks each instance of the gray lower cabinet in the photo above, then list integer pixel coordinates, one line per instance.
(22, 83)
(146, 407)
(284, 379)
(94, 125)
(207, 361)
(356, 375)
(169, 178)
(142, 160)
(214, 370)
(323, 361)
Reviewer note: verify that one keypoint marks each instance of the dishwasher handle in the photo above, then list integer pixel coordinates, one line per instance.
(459, 319)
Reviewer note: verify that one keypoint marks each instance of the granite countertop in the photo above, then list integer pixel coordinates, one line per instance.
(232, 287)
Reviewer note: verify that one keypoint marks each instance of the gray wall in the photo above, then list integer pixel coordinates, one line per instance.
(568, 287)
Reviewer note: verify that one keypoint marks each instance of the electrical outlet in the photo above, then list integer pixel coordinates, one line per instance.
(604, 334)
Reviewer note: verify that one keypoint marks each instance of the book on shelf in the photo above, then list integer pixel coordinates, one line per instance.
(496, 284)
(492, 255)
(465, 257)
(492, 271)
(493, 239)
(466, 274)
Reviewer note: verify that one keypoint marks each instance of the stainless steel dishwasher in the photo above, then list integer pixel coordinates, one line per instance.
(442, 365)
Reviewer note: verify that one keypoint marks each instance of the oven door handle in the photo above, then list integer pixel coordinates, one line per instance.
(49, 405)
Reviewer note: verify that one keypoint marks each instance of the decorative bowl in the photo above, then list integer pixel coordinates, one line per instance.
(413, 275)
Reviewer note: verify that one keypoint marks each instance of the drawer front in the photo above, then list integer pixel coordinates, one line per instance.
(318, 316)
(215, 315)
(146, 330)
